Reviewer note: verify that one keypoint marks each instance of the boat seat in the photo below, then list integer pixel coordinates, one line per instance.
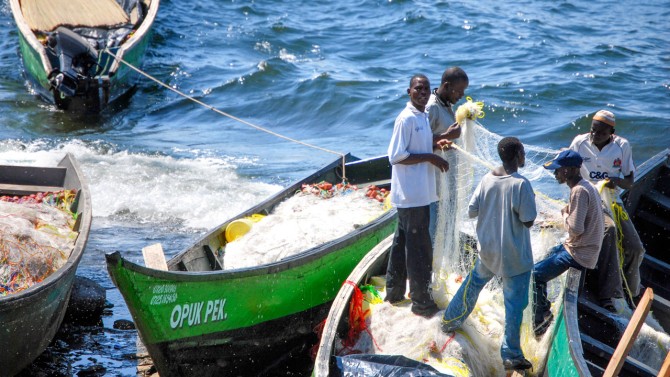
(47, 15)
(657, 197)
(603, 353)
(213, 259)
(9, 189)
(653, 219)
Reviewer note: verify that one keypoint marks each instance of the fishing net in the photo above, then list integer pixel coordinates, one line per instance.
(474, 349)
(315, 215)
(36, 238)
(475, 154)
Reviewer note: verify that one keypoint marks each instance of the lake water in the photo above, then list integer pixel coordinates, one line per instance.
(332, 74)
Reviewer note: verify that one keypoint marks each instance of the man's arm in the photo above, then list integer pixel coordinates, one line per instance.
(417, 158)
(453, 132)
(575, 219)
(527, 208)
(625, 182)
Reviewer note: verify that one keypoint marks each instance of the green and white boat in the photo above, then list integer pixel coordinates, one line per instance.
(65, 46)
(197, 319)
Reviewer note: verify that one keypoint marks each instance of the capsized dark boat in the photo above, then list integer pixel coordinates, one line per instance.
(30, 318)
(199, 319)
(65, 46)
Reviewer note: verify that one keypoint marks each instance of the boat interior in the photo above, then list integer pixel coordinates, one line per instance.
(600, 331)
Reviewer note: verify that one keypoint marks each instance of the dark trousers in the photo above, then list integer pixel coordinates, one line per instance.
(411, 257)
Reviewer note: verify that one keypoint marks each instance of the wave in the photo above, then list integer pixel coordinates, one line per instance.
(197, 191)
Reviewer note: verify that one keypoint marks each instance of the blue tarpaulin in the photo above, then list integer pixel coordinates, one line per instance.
(384, 365)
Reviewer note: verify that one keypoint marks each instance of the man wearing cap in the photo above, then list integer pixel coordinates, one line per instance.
(583, 221)
(608, 162)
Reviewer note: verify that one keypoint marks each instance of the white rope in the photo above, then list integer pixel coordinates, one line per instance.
(472, 156)
(259, 128)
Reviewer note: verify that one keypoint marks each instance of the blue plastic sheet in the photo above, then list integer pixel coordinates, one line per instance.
(384, 365)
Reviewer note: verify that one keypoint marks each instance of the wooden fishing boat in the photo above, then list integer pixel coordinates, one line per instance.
(65, 47)
(30, 318)
(585, 335)
(197, 319)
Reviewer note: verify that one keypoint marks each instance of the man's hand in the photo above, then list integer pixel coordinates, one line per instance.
(453, 132)
(444, 144)
(439, 162)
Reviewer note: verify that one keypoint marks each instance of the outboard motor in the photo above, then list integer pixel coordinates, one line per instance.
(76, 58)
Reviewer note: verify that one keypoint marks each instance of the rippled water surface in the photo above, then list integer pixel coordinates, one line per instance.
(332, 74)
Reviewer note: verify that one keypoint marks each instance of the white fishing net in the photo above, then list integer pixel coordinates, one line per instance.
(301, 222)
(473, 350)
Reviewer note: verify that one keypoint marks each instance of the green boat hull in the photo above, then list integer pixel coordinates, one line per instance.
(228, 321)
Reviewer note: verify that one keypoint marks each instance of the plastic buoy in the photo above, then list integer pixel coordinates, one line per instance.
(238, 228)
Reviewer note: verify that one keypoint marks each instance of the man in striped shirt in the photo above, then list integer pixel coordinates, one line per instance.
(583, 221)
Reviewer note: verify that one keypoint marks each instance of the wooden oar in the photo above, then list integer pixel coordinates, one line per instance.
(665, 368)
(633, 328)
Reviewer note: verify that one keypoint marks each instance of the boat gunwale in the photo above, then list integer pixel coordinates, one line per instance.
(341, 302)
(29, 35)
(84, 208)
(138, 36)
(573, 281)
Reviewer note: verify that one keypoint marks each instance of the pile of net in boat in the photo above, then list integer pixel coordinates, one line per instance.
(474, 350)
(317, 214)
(36, 238)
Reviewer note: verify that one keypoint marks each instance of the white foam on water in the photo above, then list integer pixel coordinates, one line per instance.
(198, 191)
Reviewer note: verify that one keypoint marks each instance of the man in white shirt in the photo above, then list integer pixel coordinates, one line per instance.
(609, 157)
(412, 190)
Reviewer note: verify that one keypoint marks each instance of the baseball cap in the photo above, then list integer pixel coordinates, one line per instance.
(566, 158)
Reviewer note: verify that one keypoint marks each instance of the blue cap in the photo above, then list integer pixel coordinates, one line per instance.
(567, 158)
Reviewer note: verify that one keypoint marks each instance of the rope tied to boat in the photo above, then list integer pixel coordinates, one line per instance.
(223, 113)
